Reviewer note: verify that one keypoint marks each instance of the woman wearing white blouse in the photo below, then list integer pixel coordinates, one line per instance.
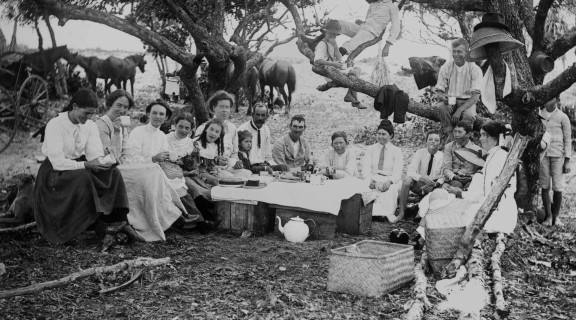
(220, 105)
(340, 159)
(74, 190)
(382, 165)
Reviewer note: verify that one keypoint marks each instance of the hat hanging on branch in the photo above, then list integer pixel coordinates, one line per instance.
(380, 72)
(492, 29)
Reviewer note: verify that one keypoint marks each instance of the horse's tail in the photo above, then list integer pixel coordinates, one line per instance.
(291, 79)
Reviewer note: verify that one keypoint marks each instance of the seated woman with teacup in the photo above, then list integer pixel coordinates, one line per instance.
(75, 189)
(382, 165)
(113, 125)
(340, 162)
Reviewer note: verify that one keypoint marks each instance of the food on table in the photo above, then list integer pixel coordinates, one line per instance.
(252, 183)
(231, 181)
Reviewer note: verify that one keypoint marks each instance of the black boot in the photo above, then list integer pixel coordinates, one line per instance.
(556, 204)
(547, 203)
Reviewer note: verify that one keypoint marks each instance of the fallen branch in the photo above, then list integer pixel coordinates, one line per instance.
(501, 308)
(140, 262)
(125, 284)
(421, 303)
(489, 205)
(475, 281)
(23, 227)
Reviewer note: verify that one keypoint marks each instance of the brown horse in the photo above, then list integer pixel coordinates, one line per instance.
(122, 70)
(278, 74)
(92, 67)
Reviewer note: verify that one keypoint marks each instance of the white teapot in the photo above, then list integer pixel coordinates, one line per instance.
(295, 230)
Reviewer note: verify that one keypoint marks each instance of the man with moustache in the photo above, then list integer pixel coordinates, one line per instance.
(458, 89)
(292, 149)
(261, 152)
(424, 173)
(458, 173)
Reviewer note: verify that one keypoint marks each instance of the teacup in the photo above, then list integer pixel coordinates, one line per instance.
(125, 121)
(317, 179)
(452, 101)
(173, 156)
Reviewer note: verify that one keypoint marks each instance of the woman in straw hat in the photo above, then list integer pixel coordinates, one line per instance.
(504, 218)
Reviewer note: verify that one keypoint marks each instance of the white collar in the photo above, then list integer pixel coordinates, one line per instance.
(150, 128)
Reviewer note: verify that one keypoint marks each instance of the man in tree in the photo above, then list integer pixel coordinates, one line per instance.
(556, 160)
(425, 171)
(458, 173)
(458, 89)
(380, 13)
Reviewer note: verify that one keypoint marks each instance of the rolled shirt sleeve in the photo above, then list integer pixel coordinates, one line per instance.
(443, 75)
(321, 52)
(394, 24)
(476, 78)
(94, 147)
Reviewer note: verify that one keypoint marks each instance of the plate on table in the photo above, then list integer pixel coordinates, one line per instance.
(231, 185)
(262, 185)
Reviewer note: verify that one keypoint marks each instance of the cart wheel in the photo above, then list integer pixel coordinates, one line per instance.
(8, 118)
(33, 103)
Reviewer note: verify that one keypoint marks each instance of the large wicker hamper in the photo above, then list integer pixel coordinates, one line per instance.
(370, 268)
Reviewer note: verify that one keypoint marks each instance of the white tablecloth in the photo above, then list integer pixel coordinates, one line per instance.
(323, 198)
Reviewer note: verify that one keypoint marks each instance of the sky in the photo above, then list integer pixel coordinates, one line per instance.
(85, 35)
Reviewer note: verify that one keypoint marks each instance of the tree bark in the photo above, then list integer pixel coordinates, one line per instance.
(2, 42)
(197, 104)
(21, 228)
(140, 262)
(60, 81)
(421, 303)
(475, 278)
(501, 309)
(40, 39)
(13, 43)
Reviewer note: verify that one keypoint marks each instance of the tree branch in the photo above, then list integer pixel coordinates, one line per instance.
(66, 12)
(561, 45)
(456, 5)
(526, 14)
(540, 22)
(541, 94)
(279, 43)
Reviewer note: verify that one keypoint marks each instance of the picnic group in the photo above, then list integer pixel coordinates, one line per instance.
(99, 176)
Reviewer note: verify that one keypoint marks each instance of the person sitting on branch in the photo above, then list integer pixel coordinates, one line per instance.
(458, 89)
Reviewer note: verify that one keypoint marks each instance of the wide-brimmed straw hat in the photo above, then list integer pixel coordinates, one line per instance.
(492, 20)
(472, 156)
(488, 35)
(333, 26)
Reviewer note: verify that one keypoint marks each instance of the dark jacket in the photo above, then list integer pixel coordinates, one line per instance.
(390, 100)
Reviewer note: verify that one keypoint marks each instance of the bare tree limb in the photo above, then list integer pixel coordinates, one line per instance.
(66, 12)
(20, 228)
(140, 262)
(541, 94)
(561, 45)
(279, 43)
(456, 5)
(526, 14)
(540, 22)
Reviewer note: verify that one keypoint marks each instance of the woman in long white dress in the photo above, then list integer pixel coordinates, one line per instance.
(504, 218)
(154, 203)
(382, 165)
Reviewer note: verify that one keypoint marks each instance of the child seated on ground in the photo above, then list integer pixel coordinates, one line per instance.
(244, 147)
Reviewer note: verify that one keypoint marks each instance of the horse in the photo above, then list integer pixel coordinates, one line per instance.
(122, 70)
(42, 62)
(92, 67)
(279, 73)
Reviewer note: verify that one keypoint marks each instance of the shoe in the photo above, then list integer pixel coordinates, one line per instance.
(394, 236)
(349, 98)
(358, 105)
(403, 237)
(108, 242)
(132, 234)
(115, 227)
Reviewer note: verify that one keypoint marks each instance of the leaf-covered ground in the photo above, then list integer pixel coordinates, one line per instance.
(223, 276)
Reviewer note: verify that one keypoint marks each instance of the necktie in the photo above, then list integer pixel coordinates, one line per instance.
(78, 147)
(381, 160)
(430, 164)
(258, 130)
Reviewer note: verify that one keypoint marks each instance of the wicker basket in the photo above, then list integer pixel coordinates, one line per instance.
(441, 245)
(370, 268)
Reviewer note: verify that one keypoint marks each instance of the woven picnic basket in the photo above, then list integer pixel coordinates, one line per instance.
(370, 268)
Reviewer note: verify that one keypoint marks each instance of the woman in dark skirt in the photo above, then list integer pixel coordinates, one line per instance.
(76, 189)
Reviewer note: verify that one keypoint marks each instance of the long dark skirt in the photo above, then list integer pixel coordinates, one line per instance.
(68, 202)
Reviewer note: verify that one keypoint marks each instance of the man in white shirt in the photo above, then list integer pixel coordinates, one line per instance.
(425, 171)
(261, 152)
(292, 149)
(458, 88)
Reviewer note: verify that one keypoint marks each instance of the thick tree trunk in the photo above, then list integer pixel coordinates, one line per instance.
(197, 102)
(2, 42)
(161, 70)
(40, 39)
(60, 78)
(13, 41)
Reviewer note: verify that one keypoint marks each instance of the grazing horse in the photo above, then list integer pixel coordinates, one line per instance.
(92, 67)
(122, 70)
(279, 73)
(426, 70)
